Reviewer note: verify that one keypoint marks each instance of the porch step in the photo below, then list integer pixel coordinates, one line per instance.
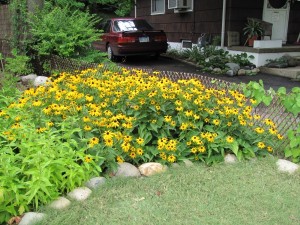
(290, 72)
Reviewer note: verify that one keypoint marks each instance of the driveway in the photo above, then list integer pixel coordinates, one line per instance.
(169, 64)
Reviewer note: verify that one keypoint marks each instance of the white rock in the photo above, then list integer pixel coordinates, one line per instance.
(40, 80)
(286, 166)
(127, 170)
(31, 218)
(60, 203)
(230, 158)
(95, 182)
(80, 194)
(188, 162)
(28, 79)
(148, 169)
(241, 72)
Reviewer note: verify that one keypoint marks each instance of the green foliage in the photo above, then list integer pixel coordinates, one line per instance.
(123, 8)
(210, 57)
(8, 93)
(291, 103)
(38, 167)
(253, 28)
(18, 64)
(63, 32)
(257, 91)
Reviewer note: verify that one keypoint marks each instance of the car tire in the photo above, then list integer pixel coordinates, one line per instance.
(110, 54)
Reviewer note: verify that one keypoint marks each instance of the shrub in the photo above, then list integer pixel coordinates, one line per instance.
(64, 32)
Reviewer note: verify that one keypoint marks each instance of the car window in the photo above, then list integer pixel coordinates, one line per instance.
(131, 25)
(106, 27)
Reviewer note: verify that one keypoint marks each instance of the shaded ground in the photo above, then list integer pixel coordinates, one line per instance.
(169, 64)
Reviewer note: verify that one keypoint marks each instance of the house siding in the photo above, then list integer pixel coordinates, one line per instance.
(207, 18)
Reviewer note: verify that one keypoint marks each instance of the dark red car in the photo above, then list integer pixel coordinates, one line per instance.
(130, 36)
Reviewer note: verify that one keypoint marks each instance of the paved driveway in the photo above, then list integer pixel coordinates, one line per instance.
(169, 64)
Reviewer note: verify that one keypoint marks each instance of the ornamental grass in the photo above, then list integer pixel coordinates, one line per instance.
(108, 116)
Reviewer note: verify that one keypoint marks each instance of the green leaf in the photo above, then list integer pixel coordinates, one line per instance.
(235, 148)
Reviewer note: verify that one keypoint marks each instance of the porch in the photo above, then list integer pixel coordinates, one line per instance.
(261, 55)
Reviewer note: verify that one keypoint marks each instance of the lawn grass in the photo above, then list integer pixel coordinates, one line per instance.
(252, 192)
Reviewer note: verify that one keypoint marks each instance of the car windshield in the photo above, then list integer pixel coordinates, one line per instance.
(131, 25)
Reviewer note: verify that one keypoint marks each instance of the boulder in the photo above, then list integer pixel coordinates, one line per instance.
(95, 182)
(40, 80)
(242, 72)
(230, 73)
(286, 166)
(80, 194)
(234, 67)
(127, 170)
(31, 218)
(28, 79)
(151, 168)
(230, 158)
(60, 203)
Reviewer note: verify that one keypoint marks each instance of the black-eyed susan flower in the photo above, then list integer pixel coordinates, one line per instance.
(171, 158)
(88, 159)
(229, 139)
(140, 141)
(261, 145)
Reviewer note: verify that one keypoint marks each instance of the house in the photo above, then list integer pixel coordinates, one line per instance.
(185, 21)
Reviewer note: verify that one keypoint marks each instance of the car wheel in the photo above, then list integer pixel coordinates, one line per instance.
(110, 54)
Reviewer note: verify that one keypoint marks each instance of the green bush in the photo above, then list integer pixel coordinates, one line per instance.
(63, 32)
(36, 167)
(18, 64)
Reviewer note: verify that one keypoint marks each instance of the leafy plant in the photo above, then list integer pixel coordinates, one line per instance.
(18, 64)
(242, 59)
(63, 32)
(36, 167)
(253, 28)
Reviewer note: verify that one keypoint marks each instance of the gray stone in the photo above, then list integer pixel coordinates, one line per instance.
(31, 218)
(286, 166)
(242, 72)
(40, 80)
(230, 158)
(255, 70)
(230, 73)
(151, 168)
(217, 70)
(234, 67)
(80, 194)
(60, 203)
(95, 182)
(28, 79)
(188, 163)
(291, 61)
(127, 170)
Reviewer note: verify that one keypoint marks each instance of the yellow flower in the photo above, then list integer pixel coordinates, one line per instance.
(139, 151)
(194, 150)
(216, 122)
(259, 130)
(88, 159)
(201, 149)
(163, 156)
(87, 128)
(272, 131)
(270, 149)
(41, 129)
(229, 139)
(2, 112)
(261, 145)
(168, 119)
(279, 136)
(132, 155)
(120, 159)
(171, 158)
(109, 142)
(93, 141)
(140, 140)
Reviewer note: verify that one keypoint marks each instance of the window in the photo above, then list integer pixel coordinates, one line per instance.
(157, 7)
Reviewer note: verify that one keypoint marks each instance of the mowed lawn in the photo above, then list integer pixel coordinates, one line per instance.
(249, 192)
